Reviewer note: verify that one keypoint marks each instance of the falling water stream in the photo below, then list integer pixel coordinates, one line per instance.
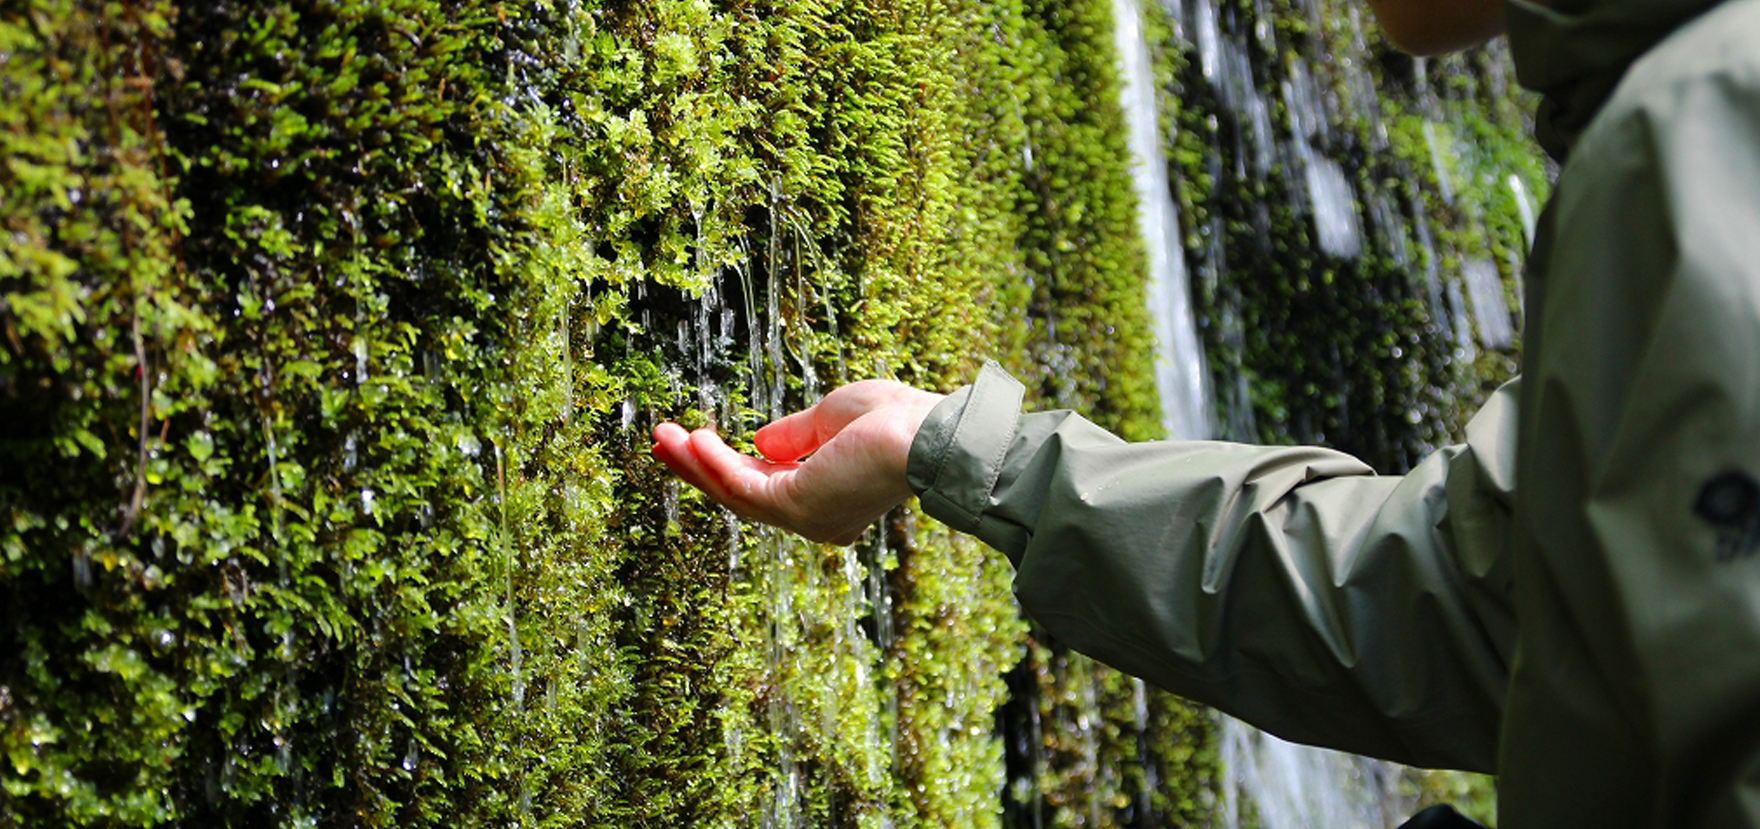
(1180, 376)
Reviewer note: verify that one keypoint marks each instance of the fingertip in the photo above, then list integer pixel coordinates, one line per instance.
(716, 456)
(669, 441)
(667, 428)
(782, 440)
(706, 438)
(766, 441)
(675, 449)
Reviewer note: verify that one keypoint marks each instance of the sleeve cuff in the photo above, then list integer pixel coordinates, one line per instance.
(957, 453)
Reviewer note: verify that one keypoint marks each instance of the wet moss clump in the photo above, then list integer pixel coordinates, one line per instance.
(330, 337)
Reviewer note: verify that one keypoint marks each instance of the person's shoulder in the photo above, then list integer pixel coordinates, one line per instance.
(1718, 52)
(1699, 83)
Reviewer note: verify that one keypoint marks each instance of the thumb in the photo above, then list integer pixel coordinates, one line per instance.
(795, 436)
(799, 434)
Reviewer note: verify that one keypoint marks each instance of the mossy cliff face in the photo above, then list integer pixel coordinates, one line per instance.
(330, 336)
(1354, 220)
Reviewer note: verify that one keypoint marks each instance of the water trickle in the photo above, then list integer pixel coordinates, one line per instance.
(1490, 310)
(1208, 38)
(1439, 156)
(567, 378)
(469, 446)
(626, 414)
(1331, 199)
(779, 630)
(274, 484)
(879, 591)
(669, 502)
(732, 524)
(1294, 786)
(705, 350)
(82, 568)
(515, 654)
(359, 347)
(1087, 715)
(1465, 350)
(1389, 223)
(1180, 374)
(1334, 202)
(1524, 206)
(1151, 778)
(773, 318)
(286, 703)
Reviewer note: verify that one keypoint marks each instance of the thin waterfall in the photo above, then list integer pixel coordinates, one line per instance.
(1179, 359)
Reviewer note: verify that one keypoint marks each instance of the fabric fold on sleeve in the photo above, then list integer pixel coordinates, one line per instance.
(1290, 586)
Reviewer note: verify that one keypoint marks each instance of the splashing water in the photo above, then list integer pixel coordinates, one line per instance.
(1292, 786)
(1490, 310)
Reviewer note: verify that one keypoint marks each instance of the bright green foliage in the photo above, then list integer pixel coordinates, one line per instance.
(1090, 328)
(330, 334)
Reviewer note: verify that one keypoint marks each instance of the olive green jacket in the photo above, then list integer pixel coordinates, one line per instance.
(1571, 598)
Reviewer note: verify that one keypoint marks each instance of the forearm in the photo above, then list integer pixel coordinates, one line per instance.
(1289, 586)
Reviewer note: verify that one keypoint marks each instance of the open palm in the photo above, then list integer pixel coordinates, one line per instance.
(855, 443)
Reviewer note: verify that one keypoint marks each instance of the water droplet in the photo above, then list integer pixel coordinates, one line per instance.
(469, 445)
(360, 359)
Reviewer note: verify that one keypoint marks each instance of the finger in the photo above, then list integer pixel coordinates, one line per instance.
(802, 433)
(793, 437)
(673, 447)
(749, 482)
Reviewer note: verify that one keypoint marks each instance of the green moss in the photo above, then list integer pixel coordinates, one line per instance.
(1089, 346)
(334, 330)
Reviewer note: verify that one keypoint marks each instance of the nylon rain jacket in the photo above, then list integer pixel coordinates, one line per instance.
(1570, 598)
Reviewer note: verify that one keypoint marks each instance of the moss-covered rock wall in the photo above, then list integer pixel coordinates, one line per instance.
(1337, 196)
(332, 332)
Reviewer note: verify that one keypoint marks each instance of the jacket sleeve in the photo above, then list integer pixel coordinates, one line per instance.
(1635, 691)
(1291, 587)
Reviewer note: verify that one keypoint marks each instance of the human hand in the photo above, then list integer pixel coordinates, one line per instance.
(858, 438)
